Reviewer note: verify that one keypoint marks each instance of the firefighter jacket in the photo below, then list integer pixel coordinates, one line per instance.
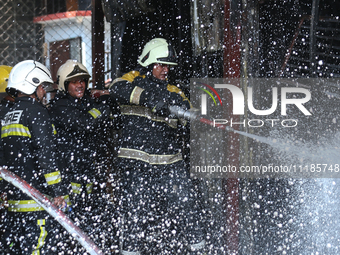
(5, 105)
(30, 152)
(77, 122)
(146, 136)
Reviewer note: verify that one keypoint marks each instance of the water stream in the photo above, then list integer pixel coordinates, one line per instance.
(307, 222)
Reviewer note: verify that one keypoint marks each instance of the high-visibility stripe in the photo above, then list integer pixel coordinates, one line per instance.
(15, 130)
(53, 178)
(94, 112)
(135, 95)
(153, 159)
(130, 253)
(42, 237)
(147, 113)
(41, 222)
(54, 129)
(23, 206)
(36, 252)
(67, 200)
(89, 188)
(76, 187)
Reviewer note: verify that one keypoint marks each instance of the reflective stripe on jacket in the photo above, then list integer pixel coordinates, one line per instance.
(30, 151)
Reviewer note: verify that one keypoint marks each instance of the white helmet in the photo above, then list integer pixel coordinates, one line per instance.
(69, 71)
(26, 76)
(157, 51)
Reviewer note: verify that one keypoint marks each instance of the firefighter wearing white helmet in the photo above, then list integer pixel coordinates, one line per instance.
(152, 142)
(29, 149)
(69, 71)
(79, 121)
(26, 76)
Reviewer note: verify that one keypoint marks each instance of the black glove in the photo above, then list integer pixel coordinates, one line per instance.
(161, 108)
(159, 101)
(156, 101)
(177, 100)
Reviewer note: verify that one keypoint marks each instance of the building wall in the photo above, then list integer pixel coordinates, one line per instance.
(20, 39)
(60, 29)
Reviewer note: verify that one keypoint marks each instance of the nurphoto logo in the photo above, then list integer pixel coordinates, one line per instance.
(278, 100)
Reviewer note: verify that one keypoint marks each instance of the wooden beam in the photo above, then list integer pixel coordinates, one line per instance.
(98, 53)
(232, 69)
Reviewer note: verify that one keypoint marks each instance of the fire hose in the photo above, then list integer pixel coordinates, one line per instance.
(62, 218)
(53, 210)
(194, 115)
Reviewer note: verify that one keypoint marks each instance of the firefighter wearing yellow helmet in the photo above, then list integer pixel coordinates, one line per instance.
(4, 74)
(155, 182)
(6, 103)
(158, 50)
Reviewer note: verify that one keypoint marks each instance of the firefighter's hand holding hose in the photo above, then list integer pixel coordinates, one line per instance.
(193, 114)
(172, 105)
(3, 201)
(160, 105)
(60, 202)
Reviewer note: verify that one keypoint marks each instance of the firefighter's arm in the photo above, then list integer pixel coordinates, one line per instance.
(75, 119)
(127, 92)
(45, 153)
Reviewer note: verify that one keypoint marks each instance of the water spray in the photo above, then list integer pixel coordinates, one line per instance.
(52, 209)
(194, 115)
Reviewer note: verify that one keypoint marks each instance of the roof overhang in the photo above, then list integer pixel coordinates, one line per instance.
(62, 16)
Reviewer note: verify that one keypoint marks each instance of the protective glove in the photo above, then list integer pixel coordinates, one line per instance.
(175, 99)
(159, 102)
(161, 108)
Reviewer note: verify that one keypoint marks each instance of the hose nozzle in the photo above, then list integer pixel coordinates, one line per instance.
(181, 113)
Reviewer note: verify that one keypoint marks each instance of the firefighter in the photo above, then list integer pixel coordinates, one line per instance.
(4, 74)
(6, 102)
(78, 119)
(158, 202)
(29, 150)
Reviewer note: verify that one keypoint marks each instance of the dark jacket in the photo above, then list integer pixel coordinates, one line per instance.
(5, 105)
(145, 133)
(30, 148)
(77, 122)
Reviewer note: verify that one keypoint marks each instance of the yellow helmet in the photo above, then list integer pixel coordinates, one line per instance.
(158, 50)
(4, 74)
